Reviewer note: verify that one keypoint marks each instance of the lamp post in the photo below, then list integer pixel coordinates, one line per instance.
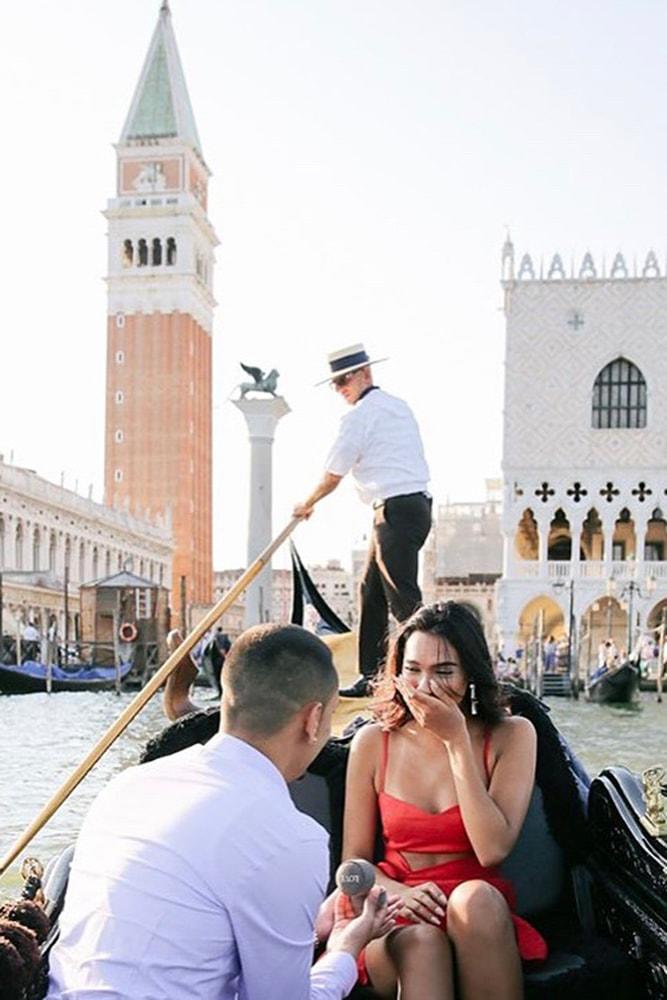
(574, 675)
(630, 589)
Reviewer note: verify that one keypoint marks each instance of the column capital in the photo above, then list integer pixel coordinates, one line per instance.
(262, 415)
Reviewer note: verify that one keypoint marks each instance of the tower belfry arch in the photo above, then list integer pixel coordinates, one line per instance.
(161, 245)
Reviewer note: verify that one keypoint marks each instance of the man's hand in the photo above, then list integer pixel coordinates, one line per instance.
(302, 510)
(325, 918)
(352, 933)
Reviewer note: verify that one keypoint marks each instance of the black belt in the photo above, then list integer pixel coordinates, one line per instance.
(402, 496)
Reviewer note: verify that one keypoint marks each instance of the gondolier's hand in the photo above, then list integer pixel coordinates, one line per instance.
(302, 510)
(352, 933)
(425, 904)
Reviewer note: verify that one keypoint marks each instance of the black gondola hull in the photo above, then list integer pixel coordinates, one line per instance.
(616, 686)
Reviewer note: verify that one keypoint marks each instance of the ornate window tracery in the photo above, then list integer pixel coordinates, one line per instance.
(619, 396)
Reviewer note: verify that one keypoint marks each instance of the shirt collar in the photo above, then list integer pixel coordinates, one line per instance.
(369, 388)
(231, 749)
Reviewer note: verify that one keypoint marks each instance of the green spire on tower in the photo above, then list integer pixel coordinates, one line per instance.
(161, 108)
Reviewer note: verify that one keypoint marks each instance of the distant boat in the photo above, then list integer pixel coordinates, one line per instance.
(31, 677)
(617, 685)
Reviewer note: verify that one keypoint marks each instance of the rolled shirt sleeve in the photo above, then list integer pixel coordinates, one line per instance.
(273, 915)
(346, 450)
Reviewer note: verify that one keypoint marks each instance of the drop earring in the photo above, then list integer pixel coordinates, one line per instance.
(473, 698)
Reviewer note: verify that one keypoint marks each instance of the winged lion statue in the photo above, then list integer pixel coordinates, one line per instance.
(261, 382)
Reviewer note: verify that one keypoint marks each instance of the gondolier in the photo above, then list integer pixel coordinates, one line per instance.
(380, 445)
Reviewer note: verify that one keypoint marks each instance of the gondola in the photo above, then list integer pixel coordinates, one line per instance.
(588, 867)
(618, 685)
(31, 677)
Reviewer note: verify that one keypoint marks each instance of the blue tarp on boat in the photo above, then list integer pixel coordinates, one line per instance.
(31, 668)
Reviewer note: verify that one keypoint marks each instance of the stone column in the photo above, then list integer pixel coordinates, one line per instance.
(575, 554)
(261, 414)
(543, 527)
(641, 528)
(608, 525)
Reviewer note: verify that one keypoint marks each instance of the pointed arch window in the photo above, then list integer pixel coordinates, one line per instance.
(619, 396)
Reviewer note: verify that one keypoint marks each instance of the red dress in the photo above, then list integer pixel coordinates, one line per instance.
(406, 827)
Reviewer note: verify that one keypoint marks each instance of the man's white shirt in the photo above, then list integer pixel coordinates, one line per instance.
(196, 877)
(380, 444)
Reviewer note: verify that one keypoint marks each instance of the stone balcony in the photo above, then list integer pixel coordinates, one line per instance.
(621, 570)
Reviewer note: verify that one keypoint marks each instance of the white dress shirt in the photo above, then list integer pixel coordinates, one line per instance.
(380, 444)
(196, 877)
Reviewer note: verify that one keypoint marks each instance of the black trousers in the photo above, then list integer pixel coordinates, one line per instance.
(400, 528)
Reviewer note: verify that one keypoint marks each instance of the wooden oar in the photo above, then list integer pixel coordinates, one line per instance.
(146, 693)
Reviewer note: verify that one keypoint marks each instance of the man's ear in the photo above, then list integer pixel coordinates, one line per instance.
(313, 720)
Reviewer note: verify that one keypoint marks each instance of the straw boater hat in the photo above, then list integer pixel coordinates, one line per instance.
(349, 359)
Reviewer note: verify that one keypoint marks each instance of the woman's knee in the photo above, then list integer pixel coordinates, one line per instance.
(478, 908)
(417, 939)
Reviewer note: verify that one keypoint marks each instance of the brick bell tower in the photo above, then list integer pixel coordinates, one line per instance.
(160, 318)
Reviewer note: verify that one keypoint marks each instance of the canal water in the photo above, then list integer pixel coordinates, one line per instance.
(43, 738)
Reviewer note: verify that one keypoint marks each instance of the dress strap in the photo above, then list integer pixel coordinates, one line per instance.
(384, 757)
(487, 749)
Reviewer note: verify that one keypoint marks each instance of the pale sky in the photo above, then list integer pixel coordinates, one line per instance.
(366, 156)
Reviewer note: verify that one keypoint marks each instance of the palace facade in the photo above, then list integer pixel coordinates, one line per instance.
(584, 452)
(45, 528)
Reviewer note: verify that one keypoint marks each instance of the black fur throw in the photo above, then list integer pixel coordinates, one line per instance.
(23, 927)
(197, 727)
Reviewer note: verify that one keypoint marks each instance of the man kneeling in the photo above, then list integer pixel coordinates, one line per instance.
(195, 876)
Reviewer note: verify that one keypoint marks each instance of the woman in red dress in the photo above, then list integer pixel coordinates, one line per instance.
(448, 774)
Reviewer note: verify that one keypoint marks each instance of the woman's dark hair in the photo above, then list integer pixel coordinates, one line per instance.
(459, 623)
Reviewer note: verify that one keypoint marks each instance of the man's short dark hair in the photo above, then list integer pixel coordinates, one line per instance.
(271, 672)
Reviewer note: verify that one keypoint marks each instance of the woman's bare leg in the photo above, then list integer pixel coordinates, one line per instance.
(413, 963)
(480, 928)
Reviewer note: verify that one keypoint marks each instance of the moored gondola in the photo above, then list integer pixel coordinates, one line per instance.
(32, 677)
(616, 685)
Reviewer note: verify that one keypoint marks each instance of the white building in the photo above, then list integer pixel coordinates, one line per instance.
(468, 554)
(44, 527)
(584, 451)
(333, 582)
(468, 536)
(336, 586)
